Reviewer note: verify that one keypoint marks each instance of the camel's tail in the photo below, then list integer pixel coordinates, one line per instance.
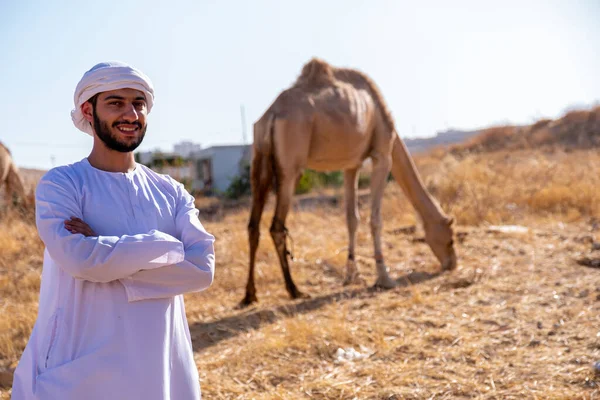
(264, 165)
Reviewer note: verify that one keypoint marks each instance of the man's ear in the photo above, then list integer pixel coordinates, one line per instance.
(88, 111)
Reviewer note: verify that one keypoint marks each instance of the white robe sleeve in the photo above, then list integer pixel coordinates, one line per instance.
(193, 274)
(101, 258)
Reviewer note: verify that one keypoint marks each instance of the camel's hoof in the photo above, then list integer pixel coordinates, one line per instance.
(247, 301)
(353, 280)
(448, 268)
(300, 295)
(449, 265)
(385, 284)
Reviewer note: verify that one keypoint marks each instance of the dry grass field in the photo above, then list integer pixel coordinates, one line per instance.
(518, 319)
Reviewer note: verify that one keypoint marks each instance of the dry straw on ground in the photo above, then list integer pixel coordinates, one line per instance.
(518, 319)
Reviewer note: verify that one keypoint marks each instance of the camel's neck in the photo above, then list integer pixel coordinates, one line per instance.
(15, 182)
(407, 176)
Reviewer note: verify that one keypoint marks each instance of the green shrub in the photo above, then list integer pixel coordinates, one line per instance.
(312, 180)
(240, 185)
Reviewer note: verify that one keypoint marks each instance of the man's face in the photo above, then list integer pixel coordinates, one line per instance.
(119, 119)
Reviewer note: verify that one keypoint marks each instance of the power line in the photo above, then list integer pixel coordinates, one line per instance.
(158, 142)
(43, 144)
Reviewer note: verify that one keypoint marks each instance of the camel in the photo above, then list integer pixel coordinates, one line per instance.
(333, 119)
(10, 177)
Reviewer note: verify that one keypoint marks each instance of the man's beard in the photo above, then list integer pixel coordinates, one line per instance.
(103, 132)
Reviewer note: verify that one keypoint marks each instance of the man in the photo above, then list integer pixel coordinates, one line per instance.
(123, 244)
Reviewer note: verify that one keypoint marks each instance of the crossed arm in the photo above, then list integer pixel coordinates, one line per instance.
(149, 265)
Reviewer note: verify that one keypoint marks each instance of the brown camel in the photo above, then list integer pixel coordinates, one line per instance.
(10, 177)
(333, 119)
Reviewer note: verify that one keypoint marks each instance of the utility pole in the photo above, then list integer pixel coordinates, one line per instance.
(243, 123)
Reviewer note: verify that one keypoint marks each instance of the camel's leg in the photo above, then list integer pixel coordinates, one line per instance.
(285, 191)
(7, 191)
(260, 178)
(4, 182)
(352, 220)
(381, 169)
(15, 188)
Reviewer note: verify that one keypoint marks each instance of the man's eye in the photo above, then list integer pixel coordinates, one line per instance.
(115, 103)
(140, 105)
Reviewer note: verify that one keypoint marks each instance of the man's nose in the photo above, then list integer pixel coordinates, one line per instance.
(130, 113)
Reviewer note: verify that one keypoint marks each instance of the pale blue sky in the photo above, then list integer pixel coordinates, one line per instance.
(440, 64)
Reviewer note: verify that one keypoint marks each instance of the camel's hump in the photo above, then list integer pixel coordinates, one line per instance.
(5, 148)
(316, 71)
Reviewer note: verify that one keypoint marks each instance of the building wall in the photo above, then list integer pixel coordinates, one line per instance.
(181, 173)
(226, 166)
(186, 149)
(146, 157)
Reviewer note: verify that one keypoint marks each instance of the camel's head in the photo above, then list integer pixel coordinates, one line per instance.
(440, 238)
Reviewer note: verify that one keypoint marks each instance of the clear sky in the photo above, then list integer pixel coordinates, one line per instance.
(440, 64)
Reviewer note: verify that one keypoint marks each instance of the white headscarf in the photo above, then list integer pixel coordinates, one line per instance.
(107, 76)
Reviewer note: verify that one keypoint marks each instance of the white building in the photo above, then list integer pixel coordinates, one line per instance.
(186, 149)
(211, 169)
(183, 149)
(216, 166)
(146, 157)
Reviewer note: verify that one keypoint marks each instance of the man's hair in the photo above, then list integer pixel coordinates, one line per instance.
(93, 101)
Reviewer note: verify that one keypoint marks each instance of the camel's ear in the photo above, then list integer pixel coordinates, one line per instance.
(450, 221)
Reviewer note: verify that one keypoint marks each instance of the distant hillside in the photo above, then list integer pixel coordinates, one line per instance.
(449, 137)
(575, 130)
(31, 176)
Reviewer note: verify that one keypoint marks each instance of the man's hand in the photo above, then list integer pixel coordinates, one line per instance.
(76, 225)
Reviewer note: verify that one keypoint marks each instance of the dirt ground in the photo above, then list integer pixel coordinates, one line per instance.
(518, 319)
